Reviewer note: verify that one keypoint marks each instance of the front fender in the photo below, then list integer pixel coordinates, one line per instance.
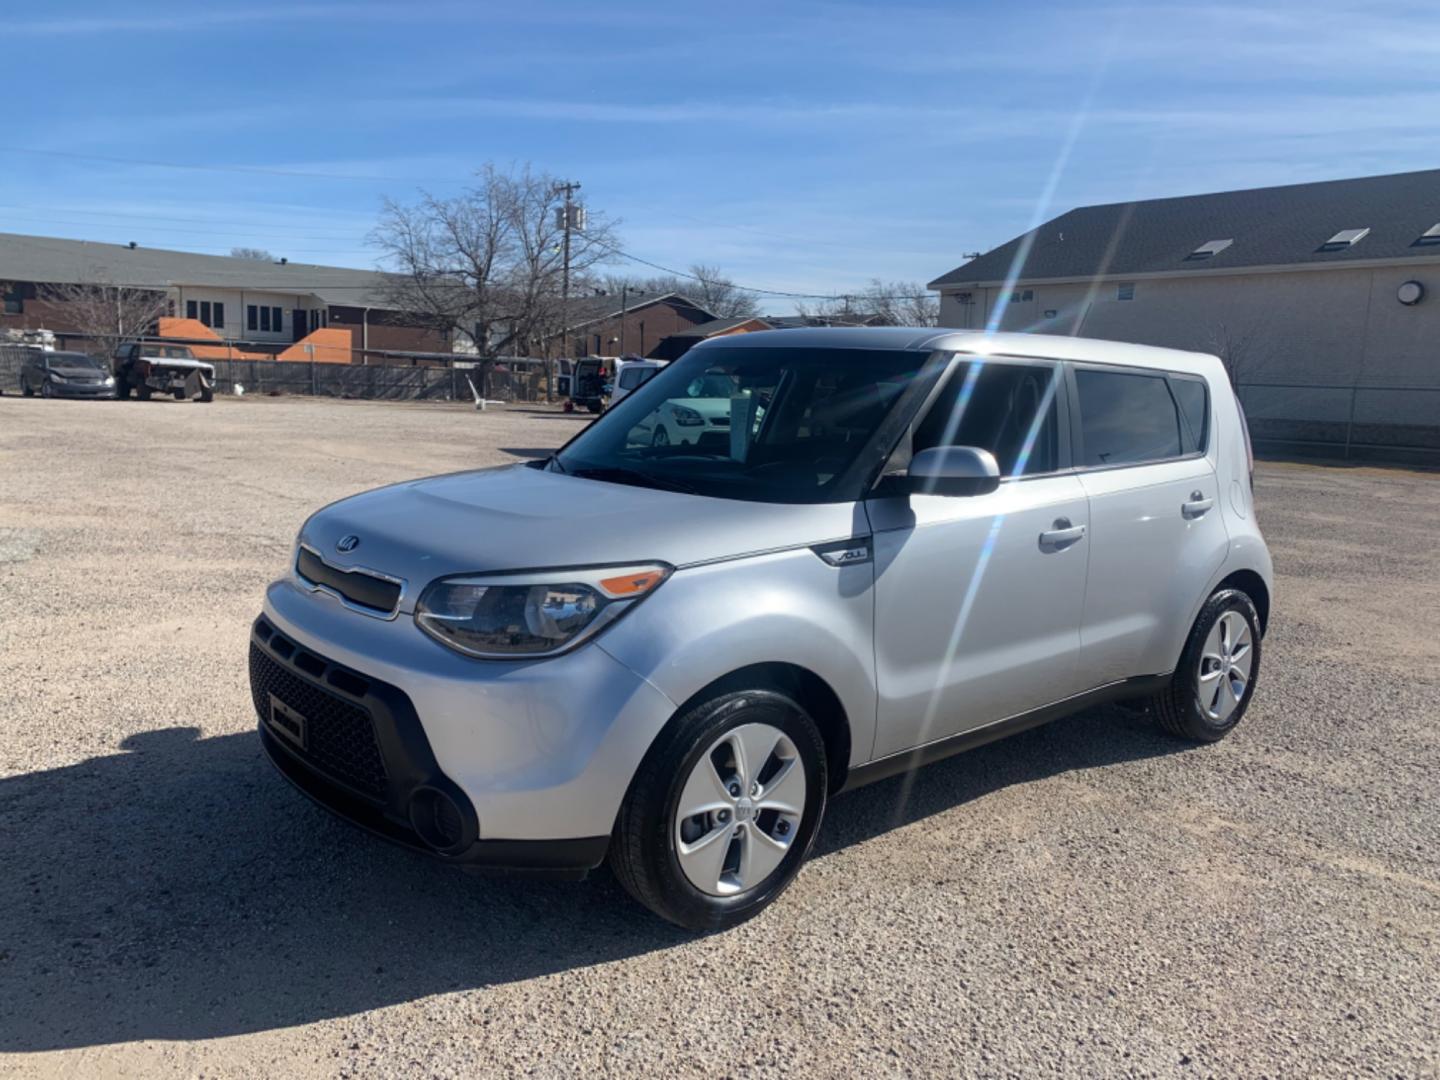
(786, 607)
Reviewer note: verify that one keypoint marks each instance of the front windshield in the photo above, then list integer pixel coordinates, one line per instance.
(769, 425)
(72, 360)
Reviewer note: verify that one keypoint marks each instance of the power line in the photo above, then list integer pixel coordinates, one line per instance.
(761, 291)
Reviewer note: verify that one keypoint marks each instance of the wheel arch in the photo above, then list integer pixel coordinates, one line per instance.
(810, 691)
(1252, 585)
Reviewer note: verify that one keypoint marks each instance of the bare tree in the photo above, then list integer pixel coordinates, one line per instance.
(258, 254)
(108, 314)
(880, 303)
(1241, 348)
(720, 296)
(487, 265)
(708, 286)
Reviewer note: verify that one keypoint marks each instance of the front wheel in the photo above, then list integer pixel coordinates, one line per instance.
(1216, 677)
(723, 810)
(46, 390)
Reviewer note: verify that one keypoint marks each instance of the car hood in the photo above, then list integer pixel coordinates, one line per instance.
(79, 372)
(519, 518)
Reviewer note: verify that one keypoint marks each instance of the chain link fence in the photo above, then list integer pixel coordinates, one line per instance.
(1363, 423)
(430, 380)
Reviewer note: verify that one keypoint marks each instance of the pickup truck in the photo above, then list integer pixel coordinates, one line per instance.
(145, 367)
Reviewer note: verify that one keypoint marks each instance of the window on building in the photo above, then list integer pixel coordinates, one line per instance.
(252, 317)
(14, 300)
(276, 320)
(1008, 409)
(265, 319)
(1430, 236)
(1126, 419)
(1021, 296)
(1344, 238)
(1125, 291)
(205, 312)
(192, 309)
(218, 315)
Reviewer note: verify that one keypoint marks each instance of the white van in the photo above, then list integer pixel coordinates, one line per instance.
(630, 375)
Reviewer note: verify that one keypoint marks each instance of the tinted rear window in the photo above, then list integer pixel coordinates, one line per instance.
(1193, 399)
(1126, 419)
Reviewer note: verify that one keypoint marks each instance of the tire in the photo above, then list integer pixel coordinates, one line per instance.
(142, 392)
(661, 436)
(595, 407)
(178, 395)
(1201, 703)
(694, 756)
(46, 390)
(207, 394)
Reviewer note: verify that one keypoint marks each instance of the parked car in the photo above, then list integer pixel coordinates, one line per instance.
(673, 655)
(630, 375)
(588, 382)
(146, 368)
(64, 374)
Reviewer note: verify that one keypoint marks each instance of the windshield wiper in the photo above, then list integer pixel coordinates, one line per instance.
(616, 474)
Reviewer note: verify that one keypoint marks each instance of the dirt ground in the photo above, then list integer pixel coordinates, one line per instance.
(1090, 898)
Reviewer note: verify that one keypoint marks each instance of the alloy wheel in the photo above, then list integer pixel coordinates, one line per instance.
(740, 810)
(1226, 664)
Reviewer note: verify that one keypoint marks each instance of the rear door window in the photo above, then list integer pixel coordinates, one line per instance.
(1192, 396)
(1126, 419)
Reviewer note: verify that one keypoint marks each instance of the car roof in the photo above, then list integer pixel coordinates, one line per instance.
(974, 342)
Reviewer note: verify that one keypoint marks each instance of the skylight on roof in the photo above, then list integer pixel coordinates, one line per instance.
(1344, 238)
(1209, 249)
(1430, 235)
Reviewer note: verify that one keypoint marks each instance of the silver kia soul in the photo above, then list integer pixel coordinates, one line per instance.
(792, 563)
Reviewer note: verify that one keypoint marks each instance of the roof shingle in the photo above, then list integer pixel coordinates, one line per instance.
(1276, 226)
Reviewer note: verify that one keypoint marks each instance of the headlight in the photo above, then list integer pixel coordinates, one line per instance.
(687, 417)
(498, 616)
(109, 380)
(55, 375)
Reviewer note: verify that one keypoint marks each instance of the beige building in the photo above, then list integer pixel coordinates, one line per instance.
(1323, 299)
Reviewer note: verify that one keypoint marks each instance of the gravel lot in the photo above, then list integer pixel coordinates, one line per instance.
(1089, 898)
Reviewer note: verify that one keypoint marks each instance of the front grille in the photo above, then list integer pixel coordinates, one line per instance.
(362, 589)
(338, 738)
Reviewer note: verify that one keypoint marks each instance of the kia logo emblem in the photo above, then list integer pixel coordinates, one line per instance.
(348, 543)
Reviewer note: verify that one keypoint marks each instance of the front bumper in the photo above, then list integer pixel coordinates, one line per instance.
(534, 756)
(82, 390)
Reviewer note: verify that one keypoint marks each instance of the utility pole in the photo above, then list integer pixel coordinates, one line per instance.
(624, 303)
(569, 219)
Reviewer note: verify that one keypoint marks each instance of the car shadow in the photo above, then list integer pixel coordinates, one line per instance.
(181, 889)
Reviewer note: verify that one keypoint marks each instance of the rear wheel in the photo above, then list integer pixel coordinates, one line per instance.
(1216, 676)
(723, 810)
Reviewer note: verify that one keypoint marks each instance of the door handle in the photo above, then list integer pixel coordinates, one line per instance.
(1061, 536)
(1198, 505)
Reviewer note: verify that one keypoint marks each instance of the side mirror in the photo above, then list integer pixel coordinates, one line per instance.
(953, 470)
